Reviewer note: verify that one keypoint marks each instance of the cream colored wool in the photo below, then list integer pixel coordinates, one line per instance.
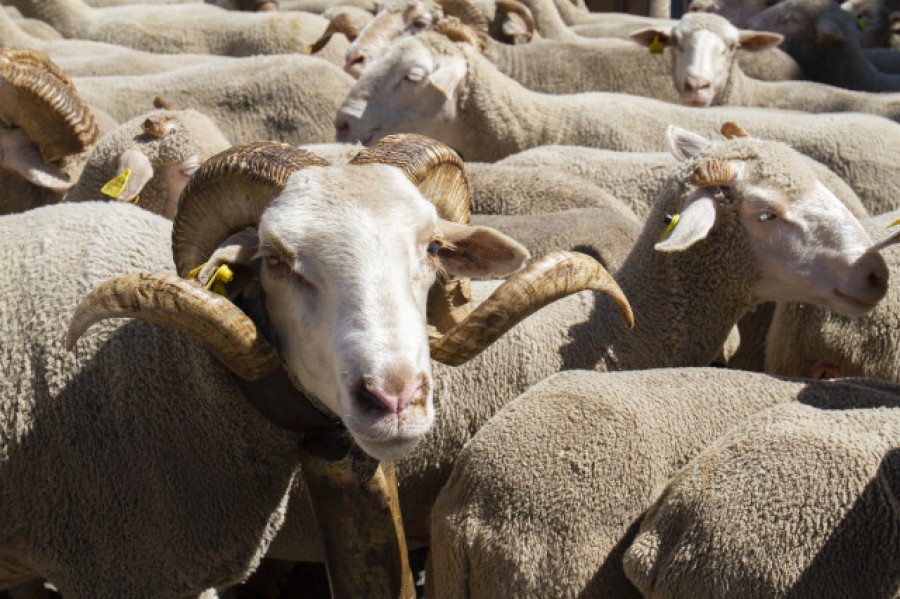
(290, 98)
(811, 341)
(800, 500)
(196, 28)
(598, 232)
(545, 499)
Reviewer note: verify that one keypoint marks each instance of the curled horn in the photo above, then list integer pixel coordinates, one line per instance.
(158, 127)
(161, 103)
(439, 174)
(732, 130)
(339, 24)
(554, 276)
(467, 12)
(45, 105)
(517, 8)
(715, 173)
(229, 192)
(172, 301)
(457, 31)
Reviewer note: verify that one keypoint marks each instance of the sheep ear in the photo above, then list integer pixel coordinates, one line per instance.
(694, 223)
(450, 71)
(22, 156)
(646, 36)
(140, 171)
(479, 252)
(756, 41)
(684, 144)
(828, 30)
(513, 28)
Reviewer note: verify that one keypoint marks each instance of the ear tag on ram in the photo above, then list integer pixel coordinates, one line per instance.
(656, 46)
(218, 280)
(116, 186)
(671, 221)
(862, 23)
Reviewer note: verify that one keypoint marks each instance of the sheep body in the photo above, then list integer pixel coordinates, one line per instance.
(796, 500)
(263, 97)
(196, 28)
(115, 475)
(547, 497)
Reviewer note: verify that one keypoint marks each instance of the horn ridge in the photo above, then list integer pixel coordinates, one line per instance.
(714, 173)
(228, 192)
(172, 301)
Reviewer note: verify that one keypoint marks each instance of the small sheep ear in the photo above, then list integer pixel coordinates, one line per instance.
(22, 156)
(694, 223)
(646, 36)
(757, 41)
(448, 74)
(479, 252)
(684, 144)
(828, 30)
(141, 172)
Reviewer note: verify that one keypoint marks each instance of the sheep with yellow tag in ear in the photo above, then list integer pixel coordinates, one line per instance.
(149, 159)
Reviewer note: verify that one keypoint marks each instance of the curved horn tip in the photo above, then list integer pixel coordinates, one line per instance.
(715, 173)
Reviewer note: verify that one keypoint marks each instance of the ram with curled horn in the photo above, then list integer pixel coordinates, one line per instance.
(342, 280)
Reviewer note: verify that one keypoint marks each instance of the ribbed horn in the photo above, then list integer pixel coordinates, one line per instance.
(467, 12)
(339, 24)
(554, 276)
(439, 174)
(457, 31)
(732, 130)
(175, 302)
(517, 8)
(46, 105)
(229, 192)
(715, 173)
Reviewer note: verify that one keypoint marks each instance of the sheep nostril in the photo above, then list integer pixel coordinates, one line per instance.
(342, 129)
(877, 281)
(373, 400)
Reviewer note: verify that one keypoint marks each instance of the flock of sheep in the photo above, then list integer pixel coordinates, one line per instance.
(412, 209)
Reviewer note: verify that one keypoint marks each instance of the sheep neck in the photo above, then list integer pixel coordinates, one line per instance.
(66, 16)
(548, 22)
(685, 303)
(735, 88)
(13, 36)
(494, 111)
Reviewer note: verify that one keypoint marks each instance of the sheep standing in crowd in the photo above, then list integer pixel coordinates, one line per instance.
(429, 85)
(824, 40)
(135, 465)
(797, 500)
(705, 72)
(546, 498)
(686, 302)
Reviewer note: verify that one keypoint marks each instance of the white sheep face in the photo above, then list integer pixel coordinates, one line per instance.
(346, 263)
(807, 245)
(410, 88)
(395, 19)
(704, 47)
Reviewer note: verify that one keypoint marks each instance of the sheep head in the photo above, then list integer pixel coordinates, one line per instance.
(410, 17)
(704, 47)
(806, 245)
(332, 269)
(416, 86)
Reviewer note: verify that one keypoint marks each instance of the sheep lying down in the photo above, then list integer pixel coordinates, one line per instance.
(137, 461)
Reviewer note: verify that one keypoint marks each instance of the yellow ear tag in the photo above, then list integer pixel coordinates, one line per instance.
(863, 24)
(116, 186)
(894, 224)
(220, 278)
(656, 46)
(672, 222)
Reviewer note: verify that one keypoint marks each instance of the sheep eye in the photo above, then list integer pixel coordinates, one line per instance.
(434, 247)
(419, 24)
(273, 261)
(765, 216)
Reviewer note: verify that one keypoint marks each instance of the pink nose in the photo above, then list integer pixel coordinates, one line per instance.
(695, 85)
(355, 63)
(394, 395)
